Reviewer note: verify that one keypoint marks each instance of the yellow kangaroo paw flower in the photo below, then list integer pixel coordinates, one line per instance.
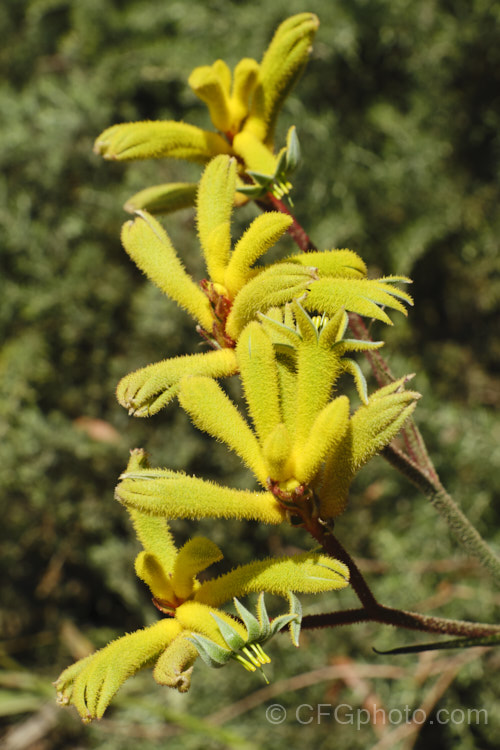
(307, 573)
(377, 423)
(196, 555)
(244, 82)
(327, 431)
(214, 208)
(256, 156)
(157, 140)
(363, 296)
(197, 617)
(213, 412)
(371, 428)
(259, 375)
(279, 70)
(146, 391)
(148, 569)
(211, 84)
(277, 450)
(334, 263)
(155, 537)
(104, 672)
(150, 248)
(263, 233)
(275, 285)
(175, 665)
(176, 495)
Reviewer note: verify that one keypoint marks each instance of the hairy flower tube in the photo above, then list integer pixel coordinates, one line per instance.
(243, 106)
(233, 293)
(305, 446)
(236, 290)
(194, 624)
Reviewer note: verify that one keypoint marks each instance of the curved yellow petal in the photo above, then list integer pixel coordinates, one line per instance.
(149, 570)
(209, 83)
(197, 617)
(196, 555)
(150, 248)
(161, 139)
(262, 234)
(259, 375)
(279, 70)
(175, 665)
(327, 431)
(213, 412)
(214, 207)
(106, 670)
(146, 391)
(307, 573)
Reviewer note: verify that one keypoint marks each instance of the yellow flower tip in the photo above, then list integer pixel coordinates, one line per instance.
(209, 83)
(228, 105)
(280, 68)
(244, 82)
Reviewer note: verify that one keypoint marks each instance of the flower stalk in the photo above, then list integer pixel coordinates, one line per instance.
(282, 328)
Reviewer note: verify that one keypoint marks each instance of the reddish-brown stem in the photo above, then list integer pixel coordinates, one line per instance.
(400, 619)
(296, 231)
(332, 546)
(372, 611)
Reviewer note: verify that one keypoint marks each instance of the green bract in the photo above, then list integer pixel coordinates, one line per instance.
(259, 630)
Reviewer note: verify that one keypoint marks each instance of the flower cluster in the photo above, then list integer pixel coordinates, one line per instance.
(243, 107)
(194, 624)
(282, 328)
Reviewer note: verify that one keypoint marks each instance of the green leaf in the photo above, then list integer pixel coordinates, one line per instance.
(487, 640)
(292, 150)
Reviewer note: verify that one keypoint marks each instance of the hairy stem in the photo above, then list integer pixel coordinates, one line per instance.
(401, 619)
(371, 610)
(463, 531)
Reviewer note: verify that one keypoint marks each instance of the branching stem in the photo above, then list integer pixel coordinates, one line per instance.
(371, 610)
(416, 464)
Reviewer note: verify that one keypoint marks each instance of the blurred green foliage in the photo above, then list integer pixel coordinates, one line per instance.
(398, 115)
